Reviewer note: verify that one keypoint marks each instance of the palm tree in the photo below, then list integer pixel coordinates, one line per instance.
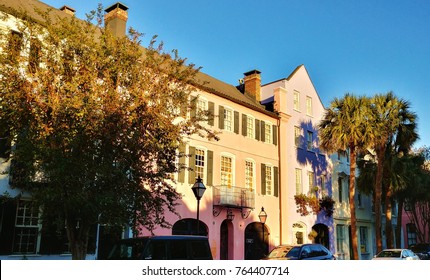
(393, 124)
(345, 126)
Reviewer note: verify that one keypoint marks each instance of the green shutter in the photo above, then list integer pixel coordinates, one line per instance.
(210, 167)
(275, 134)
(276, 181)
(193, 107)
(181, 175)
(244, 125)
(221, 117)
(236, 122)
(263, 131)
(192, 165)
(263, 179)
(211, 109)
(257, 129)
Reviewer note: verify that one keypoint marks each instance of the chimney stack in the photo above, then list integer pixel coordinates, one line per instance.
(116, 19)
(68, 10)
(252, 82)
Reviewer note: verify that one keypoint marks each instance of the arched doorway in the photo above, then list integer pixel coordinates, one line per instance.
(256, 241)
(299, 233)
(226, 240)
(189, 227)
(322, 236)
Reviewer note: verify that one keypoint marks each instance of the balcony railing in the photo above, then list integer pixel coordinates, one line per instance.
(233, 197)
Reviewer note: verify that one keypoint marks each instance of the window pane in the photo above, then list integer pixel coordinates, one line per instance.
(268, 180)
(308, 105)
(200, 163)
(226, 171)
(228, 119)
(310, 136)
(250, 127)
(296, 101)
(249, 175)
(299, 188)
(297, 134)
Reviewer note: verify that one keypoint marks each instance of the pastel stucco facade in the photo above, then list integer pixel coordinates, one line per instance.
(240, 172)
(342, 214)
(267, 153)
(304, 168)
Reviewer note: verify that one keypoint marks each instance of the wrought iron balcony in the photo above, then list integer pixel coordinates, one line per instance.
(233, 197)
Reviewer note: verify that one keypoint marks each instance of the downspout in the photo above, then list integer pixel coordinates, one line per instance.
(279, 180)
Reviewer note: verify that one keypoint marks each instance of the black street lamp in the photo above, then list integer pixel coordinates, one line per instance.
(263, 217)
(198, 190)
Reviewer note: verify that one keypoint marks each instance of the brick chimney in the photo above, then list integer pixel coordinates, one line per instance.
(252, 82)
(116, 19)
(68, 10)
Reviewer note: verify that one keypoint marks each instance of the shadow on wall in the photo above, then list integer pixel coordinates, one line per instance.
(309, 154)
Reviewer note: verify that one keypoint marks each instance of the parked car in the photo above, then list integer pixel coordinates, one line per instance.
(172, 247)
(128, 249)
(300, 252)
(396, 254)
(422, 250)
(279, 252)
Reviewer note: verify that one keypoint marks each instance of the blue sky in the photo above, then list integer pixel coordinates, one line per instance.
(362, 47)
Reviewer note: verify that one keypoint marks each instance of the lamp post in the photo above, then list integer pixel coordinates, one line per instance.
(263, 217)
(96, 255)
(198, 190)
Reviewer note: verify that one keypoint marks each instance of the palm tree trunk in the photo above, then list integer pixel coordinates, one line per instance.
(378, 197)
(388, 218)
(399, 224)
(354, 237)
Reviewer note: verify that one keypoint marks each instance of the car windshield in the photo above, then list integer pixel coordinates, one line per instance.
(279, 252)
(294, 252)
(389, 254)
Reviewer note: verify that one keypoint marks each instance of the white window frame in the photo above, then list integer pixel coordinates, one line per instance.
(201, 170)
(311, 182)
(298, 131)
(225, 182)
(250, 178)
(299, 181)
(309, 142)
(269, 179)
(340, 238)
(296, 100)
(268, 134)
(309, 105)
(250, 127)
(228, 119)
(26, 220)
(364, 240)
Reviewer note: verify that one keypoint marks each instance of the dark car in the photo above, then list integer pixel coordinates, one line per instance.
(422, 250)
(128, 249)
(171, 247)
(301, 252)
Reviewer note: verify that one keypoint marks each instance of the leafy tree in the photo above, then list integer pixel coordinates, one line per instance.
(345, 126)
(97, 123)
(394, 125)
(416, 194)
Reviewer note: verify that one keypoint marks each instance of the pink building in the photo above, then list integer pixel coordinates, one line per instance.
(240, 172)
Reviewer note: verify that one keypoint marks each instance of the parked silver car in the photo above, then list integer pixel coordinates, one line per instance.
(396, 254)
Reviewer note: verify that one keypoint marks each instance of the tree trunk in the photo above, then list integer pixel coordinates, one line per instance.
(354, 237)
(380, 152)
(78, 234)
(399, 224)
(388, 218)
